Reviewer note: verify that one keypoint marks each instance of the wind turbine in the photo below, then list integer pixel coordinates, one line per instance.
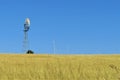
(26, 29)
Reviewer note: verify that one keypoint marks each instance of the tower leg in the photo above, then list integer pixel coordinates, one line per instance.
(25, 42)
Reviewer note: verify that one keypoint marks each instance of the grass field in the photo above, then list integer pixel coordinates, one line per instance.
(59, 67)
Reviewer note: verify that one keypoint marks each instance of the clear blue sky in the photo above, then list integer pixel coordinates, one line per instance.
(77, 26)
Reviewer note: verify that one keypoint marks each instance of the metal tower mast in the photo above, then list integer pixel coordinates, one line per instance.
(26, 29)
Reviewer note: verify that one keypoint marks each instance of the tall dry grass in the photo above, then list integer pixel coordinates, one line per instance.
(59, 67)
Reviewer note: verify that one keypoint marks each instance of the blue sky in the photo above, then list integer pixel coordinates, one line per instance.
(76, 26)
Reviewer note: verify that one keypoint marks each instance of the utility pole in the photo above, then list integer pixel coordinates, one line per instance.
(54, 45)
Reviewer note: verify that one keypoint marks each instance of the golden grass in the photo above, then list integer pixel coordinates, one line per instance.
(59, 67)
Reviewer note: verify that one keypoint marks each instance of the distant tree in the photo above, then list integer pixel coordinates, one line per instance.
(29, 52)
